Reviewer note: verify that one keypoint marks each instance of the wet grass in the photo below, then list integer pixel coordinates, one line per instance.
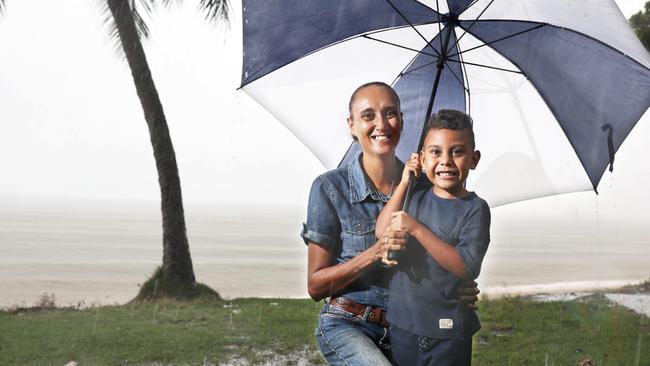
(195, 333)
(515, 331)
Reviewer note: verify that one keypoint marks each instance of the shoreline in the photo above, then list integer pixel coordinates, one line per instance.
(560, 287)
(492, 292)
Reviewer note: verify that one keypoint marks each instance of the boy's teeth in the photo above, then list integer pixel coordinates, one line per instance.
(381, 138)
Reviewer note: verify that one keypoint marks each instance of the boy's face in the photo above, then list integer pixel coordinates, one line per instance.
(446, 158)
(376, 120)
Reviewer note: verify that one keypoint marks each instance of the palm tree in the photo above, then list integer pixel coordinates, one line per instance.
(175, 278)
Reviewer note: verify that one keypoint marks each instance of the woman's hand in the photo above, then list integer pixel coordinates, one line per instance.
(468, 293)
(391, 240)
(411, 167)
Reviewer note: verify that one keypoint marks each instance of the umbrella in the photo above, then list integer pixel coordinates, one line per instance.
(554, 87)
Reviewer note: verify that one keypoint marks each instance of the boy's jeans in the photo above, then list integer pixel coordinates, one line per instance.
(411, 349)
(347, 339)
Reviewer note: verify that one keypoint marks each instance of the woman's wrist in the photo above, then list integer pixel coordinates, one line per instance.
(375, 252)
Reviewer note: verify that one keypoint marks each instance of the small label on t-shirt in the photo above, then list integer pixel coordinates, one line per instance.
(446, 323)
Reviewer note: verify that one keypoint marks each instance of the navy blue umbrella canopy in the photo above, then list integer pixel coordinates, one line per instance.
(553, 86)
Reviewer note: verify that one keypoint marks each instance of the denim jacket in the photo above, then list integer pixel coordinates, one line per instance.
(342, 213)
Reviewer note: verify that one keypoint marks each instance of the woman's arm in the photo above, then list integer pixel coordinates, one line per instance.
(324, 278)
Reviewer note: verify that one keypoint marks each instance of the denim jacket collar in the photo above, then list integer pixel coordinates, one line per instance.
(360, 185)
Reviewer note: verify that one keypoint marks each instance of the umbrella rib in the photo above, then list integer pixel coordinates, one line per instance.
(413, 26)
(487, 67)
(439, 25)
(405, 68)
(468, 6)
(456, 77)
(471, 25)
(418, 68)
(499, 40)
(397, 45)
(466, 77)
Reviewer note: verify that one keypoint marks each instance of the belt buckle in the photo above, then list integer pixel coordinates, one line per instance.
(368, 314)
(371, 316)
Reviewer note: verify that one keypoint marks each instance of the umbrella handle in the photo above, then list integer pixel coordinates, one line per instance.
(397, 255)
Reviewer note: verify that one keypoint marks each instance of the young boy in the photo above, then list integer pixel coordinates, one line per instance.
(449, 231)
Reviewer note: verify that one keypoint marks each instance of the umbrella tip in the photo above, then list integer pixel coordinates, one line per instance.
(450, 19)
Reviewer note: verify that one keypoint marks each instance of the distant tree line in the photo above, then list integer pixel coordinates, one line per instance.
(640, 23)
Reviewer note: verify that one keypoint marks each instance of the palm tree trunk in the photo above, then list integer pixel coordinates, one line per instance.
(177, 263)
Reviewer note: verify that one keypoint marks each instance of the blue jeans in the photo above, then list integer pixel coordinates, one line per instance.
(410, 349)
(348, 339)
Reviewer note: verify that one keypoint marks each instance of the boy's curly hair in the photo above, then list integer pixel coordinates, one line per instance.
(451, 119)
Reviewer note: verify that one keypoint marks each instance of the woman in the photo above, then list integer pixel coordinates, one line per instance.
(344, 256)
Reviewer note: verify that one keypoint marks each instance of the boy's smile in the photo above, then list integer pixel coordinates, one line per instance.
(447, 157)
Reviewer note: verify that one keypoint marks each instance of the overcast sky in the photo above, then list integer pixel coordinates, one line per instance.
(71, 126)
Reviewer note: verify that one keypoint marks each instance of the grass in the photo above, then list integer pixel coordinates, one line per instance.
(170, 332)
(515, 331)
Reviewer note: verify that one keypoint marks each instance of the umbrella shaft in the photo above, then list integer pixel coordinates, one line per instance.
(439, 67)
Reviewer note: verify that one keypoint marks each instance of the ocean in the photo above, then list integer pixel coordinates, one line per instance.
(100, 254)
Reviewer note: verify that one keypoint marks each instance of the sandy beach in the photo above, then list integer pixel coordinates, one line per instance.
(100, 255)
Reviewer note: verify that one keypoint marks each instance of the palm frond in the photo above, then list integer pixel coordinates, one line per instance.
(140, 23)
(168, 2)
(113, 34)
(215, 10)
(143, 29)
(147, 5)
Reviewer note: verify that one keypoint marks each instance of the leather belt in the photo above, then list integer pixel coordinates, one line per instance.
(372, 314)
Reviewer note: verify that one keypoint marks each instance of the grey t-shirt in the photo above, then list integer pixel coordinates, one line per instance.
(421, 298)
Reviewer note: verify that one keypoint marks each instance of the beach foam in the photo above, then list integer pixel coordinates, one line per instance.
(640, 303)
(559, 288)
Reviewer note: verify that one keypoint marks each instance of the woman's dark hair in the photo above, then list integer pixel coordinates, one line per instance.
(373, 83)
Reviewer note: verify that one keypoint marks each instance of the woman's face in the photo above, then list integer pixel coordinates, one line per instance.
(376, 120)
